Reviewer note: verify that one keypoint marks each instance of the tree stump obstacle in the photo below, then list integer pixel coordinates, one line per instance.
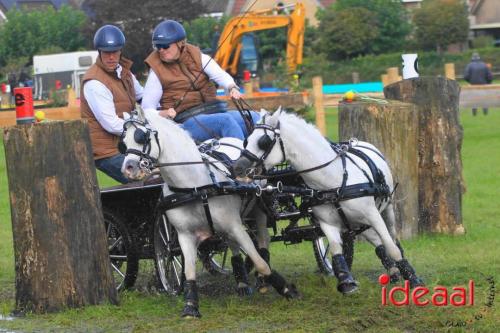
(421, 136)
(60, 245)
(390, 127)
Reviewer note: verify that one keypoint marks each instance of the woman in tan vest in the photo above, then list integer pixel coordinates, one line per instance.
(108, 90)
(180, 84)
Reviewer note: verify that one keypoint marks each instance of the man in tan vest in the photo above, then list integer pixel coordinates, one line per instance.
(180, 85)
(108, 90)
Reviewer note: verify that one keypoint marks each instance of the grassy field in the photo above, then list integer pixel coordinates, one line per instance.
(440, 260)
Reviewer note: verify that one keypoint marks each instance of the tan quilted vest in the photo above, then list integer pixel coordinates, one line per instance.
(105, 144)
(181, 89)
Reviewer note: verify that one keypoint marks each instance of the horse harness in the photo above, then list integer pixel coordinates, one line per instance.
(377, 187)
(182, 196)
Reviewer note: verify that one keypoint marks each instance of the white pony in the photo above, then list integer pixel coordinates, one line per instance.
(151, 138)
(283, 137)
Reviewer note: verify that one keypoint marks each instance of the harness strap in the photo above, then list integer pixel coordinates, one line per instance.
(362, 170)
(373, 168)
(158, 165)
(345, 175)
(222, 189)
(282, 147)
(349, 192)
(187, 195)
(206, 208)
(245, 114)
(249, 155)
(142, 155)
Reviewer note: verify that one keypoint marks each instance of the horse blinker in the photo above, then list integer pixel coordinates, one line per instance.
(140, 136)
(265, 142)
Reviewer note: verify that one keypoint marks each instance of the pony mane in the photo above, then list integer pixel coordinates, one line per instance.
(299, 122)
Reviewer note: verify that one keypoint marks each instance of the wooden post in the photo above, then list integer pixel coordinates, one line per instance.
(73, 110)
(248, 86)
(4, 100)
(355, 77)
(392, 75)
(385, 79)
(449, 71)
(393, 129)
(441, 184)
(60, 245)
(255, 84)
(317, 83)
(72, 98)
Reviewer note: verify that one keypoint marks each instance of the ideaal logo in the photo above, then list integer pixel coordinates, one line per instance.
(440, 296)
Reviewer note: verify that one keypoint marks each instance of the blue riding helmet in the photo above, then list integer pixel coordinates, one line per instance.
(168, 32)
(109, 38)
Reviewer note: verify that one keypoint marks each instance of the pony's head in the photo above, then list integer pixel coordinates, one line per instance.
(263, 148)
(139, 143)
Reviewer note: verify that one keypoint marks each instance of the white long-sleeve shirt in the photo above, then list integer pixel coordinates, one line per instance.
(153, 89)
(100, 100)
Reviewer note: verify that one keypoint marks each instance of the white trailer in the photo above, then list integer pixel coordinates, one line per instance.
(68, 68)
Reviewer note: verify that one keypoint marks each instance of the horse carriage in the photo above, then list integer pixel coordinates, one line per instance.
(137, 228)
(201, 210)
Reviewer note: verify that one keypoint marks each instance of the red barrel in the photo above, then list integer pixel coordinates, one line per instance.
(24, 105)
(246, 75)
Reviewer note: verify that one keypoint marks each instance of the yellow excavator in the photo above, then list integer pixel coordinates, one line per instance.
(231, 41)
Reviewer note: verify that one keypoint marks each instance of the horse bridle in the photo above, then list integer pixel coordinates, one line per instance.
(146, 161)
(266, 143)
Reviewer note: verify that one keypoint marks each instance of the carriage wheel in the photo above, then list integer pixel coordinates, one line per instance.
(168, 256)
(122, 253)
(321, 248)
(217, 261)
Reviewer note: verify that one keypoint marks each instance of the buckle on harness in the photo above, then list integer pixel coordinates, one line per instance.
(319, 195)
(215, 145)
(145, 165)
(258, 191)
(279, 186)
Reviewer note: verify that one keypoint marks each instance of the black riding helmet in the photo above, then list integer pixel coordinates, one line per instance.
(109, 38)
(168, 32)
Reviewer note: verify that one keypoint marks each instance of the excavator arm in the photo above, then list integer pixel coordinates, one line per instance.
(229, 47)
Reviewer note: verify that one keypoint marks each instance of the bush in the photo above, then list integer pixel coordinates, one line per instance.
(58, 98)
(371, 67)
(482, 42)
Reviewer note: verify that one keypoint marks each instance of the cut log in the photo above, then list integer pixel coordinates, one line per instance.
(392, 128)
(441, 184)
(60, 245)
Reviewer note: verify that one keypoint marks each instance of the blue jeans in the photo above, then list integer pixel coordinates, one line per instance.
(237, 116)
(112, 167)
(208, 126)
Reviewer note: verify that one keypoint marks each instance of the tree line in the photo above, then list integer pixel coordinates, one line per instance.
(347, 29)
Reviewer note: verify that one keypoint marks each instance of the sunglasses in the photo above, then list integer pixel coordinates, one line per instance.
(161, 46)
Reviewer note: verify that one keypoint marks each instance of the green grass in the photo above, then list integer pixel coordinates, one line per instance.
(440, 259)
